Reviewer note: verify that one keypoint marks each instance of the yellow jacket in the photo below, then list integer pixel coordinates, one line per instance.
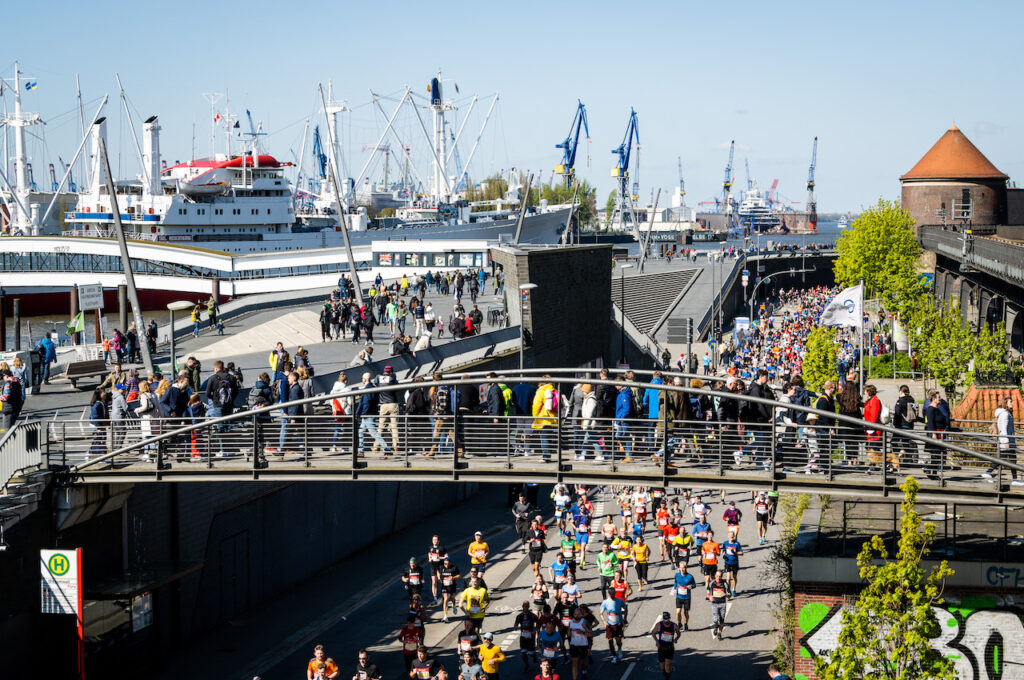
(545, 407)
(490, 658)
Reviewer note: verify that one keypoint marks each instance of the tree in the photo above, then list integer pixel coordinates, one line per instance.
(586, 199)
(821, 360)
(887, 635)
(881, 248)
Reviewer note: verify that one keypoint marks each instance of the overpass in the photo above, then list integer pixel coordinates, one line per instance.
(254, 445)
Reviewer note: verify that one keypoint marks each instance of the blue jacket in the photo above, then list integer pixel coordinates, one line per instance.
(624, 404)
(293, 393)
(652, 398)
(282, 388)
(98, 414)
(522, 395)
(368, 405)
(50, 349)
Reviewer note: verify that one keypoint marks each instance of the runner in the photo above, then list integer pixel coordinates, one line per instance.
(641, 557)
(773, 672)
(684, 583)
(526, 623)
(657, 498)
(551, 643)
(592, 621)
(411, 637)
(580, 523)
(469, 639)
(718, 594)
(490, 656)
(521, 512)
(621, 590)
(640, 500)
(435, 556)
(580, 634)
(478, 550)
(569, 548)
(731, 550)
(665, 634)
(423, 668)
(536, 539)
(320, 658)
(548, 673)
(611, 617)
(412, 577)
(732, 518)
(470, 668)
(608, 530)
(623, 549)
(681, 544)
(709, 553)
(561, 497)
(477, 573)
(572, 589)
(761, 515)
(773, 505)
(607, 561)
(364, 669)
(560, 569)
(662, 517)
(699, 531)
(474, 602)
(698, 508)
(419, 613)
(563, 612)
(449, 576)
(539, 594)
(625, 499)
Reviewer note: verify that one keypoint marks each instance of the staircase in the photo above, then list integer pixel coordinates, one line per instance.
(22, 476)
(649, 297)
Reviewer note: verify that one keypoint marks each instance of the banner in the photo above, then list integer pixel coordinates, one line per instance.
(846, 309)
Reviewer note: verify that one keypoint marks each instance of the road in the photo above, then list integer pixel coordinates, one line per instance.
(374, 611)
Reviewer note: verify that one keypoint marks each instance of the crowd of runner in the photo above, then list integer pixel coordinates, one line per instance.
(560, 620)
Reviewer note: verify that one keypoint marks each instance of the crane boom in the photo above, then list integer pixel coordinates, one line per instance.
(624, 197)
(682, 184)
(746, 164)
(579, 121)
(727, 181)
(812, 204)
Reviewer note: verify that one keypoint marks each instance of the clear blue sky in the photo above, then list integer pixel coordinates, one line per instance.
(877, 82)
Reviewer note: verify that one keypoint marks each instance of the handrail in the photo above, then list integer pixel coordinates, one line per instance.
(530, 376)
(16, 453)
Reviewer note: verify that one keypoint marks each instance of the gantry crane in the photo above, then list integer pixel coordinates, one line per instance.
(682, 185)
(727, 184)
(812, 204)
(625, 198)
(567, 167)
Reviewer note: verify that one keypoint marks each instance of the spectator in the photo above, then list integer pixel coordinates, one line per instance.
(1006, 441)
(937, 421)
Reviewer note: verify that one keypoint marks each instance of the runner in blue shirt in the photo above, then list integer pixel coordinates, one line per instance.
(550, 642)
(700, 533)
(684, 583)
(611, 616)
(731, 551)
(581, 523)
(560, 570)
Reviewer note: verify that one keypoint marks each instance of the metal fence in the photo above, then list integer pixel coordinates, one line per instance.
(833, 451)
(21, 448)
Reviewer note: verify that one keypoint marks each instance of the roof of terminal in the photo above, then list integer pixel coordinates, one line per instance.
(954, 157)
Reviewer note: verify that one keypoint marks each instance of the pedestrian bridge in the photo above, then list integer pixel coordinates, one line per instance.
(846, 456)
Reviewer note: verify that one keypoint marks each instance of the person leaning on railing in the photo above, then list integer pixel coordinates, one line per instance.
(1006, 442)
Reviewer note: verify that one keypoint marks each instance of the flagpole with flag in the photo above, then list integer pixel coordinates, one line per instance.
(847, 309)
(861, 327)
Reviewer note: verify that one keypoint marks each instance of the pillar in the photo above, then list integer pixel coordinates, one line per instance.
(122, 308)
(75, 337)
(3, 322)
(16, 313)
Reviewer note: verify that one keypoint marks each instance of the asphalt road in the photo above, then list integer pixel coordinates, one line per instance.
(373, 618)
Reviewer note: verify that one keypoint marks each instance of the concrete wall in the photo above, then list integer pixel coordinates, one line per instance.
(566, 316)
(923, 198)
(981, 622)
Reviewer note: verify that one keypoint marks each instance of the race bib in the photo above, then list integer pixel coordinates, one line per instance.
(682, 591)
(549, 652)
(446, 580)
(568, 552)
(434, 556)
(718, 592)
(559, 578)
(464, 645)
(423, 673)
(613, 619)
(411, 646)
(414, 579)
(536, 544)
(666, 637)
(526, 634)
(480, 553)
(474, 609)
(663, 521)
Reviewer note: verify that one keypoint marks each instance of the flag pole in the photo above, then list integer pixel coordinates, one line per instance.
(860, 326)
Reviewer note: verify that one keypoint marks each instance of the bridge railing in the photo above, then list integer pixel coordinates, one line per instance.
(834, 451)
(21, 448)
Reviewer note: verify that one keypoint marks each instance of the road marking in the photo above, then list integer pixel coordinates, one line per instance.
(632, 665)
(728, 606)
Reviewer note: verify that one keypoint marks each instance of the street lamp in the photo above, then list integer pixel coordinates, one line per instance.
(622, 311)
(524, 291)
(172, 307)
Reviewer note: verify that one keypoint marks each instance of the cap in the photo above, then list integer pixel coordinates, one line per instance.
(665, 616)
(412, 560)
(732, 503)
(389, 369)
(488, 636)
(447, 559)
(478, 534)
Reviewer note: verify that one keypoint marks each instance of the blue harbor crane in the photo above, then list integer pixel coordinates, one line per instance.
(53, 179)
(812, 204)
(72, 187)
(624, 197)
(727, 184)
(567, 167)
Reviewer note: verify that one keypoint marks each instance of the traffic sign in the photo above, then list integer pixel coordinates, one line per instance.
(61, 581)
(746, 278)
(90, 296)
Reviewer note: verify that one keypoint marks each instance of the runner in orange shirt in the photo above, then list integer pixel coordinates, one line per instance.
(478, 550)
(710, 552)
(320, 657)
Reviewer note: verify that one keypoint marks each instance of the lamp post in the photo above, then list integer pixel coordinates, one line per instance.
(524, 291)
(622, 311)
(180, 305)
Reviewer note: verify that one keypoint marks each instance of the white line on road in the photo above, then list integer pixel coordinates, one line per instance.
(632, 665)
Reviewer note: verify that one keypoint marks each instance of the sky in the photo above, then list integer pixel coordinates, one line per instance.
(877, 82)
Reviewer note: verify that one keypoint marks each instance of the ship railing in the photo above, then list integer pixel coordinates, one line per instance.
(796, 446)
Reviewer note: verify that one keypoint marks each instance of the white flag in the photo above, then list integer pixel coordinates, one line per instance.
(846, 309)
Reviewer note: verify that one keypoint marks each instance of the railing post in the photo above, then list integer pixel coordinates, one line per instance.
(558, 428)
(355, 443)
(305, 440)
(255, 444)
(1006, 530)
(508, 443)
(455, 436)
(721, 448)
(885, 462)
(956, 541)
(209, 445)
(611, 423)
(664, 439)
(774, 447)
(844, 529)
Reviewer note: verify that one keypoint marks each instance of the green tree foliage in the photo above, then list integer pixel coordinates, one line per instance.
(820, 362)
(609, 209)
(494, 188)
(887, 635)
(881, 248)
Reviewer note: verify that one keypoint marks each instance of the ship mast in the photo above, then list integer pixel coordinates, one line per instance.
(19, 121)
(438, 106)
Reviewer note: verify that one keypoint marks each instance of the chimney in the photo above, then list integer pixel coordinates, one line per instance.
(98, 183)
(151, 155)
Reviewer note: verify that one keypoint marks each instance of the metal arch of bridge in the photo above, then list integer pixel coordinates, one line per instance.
(482, 448)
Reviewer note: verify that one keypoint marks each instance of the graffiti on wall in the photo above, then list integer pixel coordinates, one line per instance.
(982, 635)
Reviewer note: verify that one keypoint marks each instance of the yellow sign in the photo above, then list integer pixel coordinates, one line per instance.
(58, 564)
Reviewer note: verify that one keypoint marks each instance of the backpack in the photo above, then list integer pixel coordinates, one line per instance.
(993, 427)
(257, 398)
(697, 408)
(912, 414)
(885, 416)
(453, 325)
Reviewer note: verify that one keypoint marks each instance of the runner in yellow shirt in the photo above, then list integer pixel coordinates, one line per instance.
(474, 601)
(478, 550)
(641, 556)
(490, 656)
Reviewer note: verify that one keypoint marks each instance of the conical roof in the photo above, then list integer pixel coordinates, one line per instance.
(954, 157)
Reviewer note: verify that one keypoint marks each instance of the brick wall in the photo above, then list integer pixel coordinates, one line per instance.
(982, 629)
(923, 199)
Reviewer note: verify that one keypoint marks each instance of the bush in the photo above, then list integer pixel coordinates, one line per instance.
(881, 366)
